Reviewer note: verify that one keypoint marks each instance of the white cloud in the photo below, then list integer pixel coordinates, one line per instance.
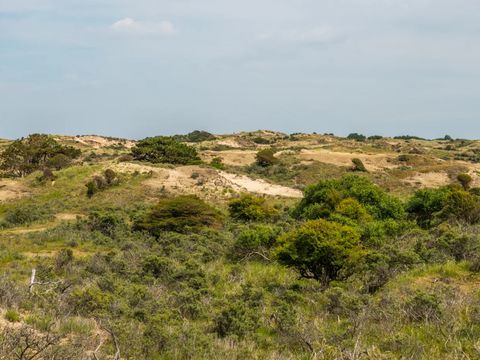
(131, 26)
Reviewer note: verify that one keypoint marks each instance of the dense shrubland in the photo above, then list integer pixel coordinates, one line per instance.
(350, 271)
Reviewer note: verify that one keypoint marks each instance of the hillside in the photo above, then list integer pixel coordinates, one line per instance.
(209, 246)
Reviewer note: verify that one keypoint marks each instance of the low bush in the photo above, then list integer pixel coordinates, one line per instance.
(162, 149)
(250, 208)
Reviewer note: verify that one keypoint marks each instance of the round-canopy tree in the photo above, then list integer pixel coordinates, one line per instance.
(318, 249)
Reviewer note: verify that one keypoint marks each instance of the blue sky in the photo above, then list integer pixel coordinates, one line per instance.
(137, 68)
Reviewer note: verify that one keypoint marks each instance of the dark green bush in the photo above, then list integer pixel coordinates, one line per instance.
(181, 214)
(163, 149)
(195, 136)
(265, 158)
(358, 165)
(356, 137)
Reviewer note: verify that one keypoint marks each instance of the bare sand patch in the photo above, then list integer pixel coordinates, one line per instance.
(231, 157)
(373, 162)
(429, 180)
(12, 189)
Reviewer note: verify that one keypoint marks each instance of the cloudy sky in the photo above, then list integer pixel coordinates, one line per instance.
(135, 68)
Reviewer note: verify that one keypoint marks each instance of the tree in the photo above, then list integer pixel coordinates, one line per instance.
(318, 249)
(163, 149)
(465, 180)
(265, 158)
(27, 155)
(180, 214)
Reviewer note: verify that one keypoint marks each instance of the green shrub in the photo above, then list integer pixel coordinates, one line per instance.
(358, 165)
(321, 199)
(318, 249)
(180, 214)
(356, 137)
(250, 208)
(265, 158)
(426, 204)
(255, 238)
(195, 136)
(59, 161)
(12, 315)
(462, 205)
(465, 180)
(163, 149)
(28, 213)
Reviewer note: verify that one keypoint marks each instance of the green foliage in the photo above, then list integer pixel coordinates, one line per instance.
(26, 213)
(465, 180)
(27, 155)
(255, 237)
(356, 137)
(318, 249)
(423, 307)
(12, 316)
(321, 199)
(265, 158)
(426, 204)
(195, 136)
(180, 214)
(108, 179)
(358, 165)
(59, 161)
(106, 222)
(217, 163)
(163, 149)
(250, 208)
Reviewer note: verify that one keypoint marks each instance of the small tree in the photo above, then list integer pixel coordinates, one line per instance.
(318, 249)
(265, 158)
(465, 180)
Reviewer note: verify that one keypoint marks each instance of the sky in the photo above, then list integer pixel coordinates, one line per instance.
(137, 68)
